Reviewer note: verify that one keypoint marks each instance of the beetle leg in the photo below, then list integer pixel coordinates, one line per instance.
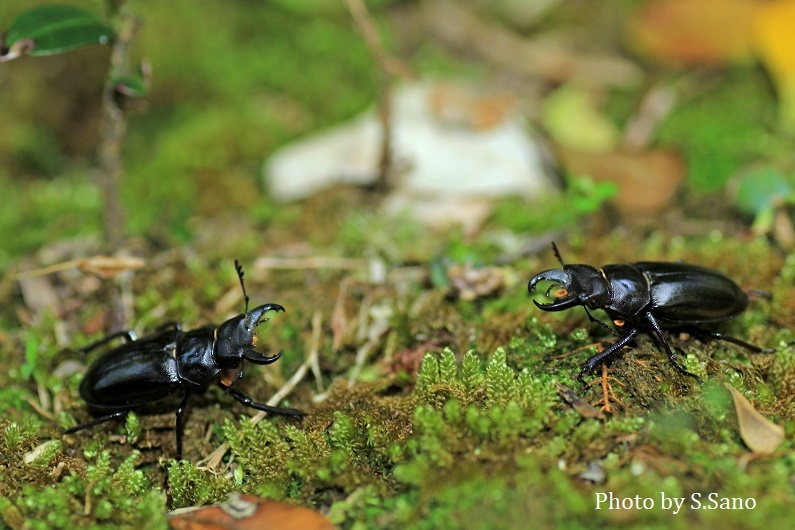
(97, 421)
(129, 335)
(658, 331)
(247, 401)
(600, 357)
(720, 336)
(171, 325)
(180, 413)
(597, 321)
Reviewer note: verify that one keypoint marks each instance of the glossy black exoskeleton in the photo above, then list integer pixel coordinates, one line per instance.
(649, 296)
(171, 362)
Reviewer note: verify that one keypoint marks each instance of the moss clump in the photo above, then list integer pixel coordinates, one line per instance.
(97, 497)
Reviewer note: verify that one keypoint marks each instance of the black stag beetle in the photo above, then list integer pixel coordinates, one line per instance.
(172, 361)
(647, 296)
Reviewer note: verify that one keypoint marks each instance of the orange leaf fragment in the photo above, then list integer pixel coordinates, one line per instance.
(694, 32)
(774, 39)
(761, 435)
(247, 512)
(583, 408)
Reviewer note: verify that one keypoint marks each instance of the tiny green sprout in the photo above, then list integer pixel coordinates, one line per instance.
(13, 436)
(66, 420)
(238, 476)
(92, 449)
(31, 356)
(580, 336)
(695, 366)
(133, 426)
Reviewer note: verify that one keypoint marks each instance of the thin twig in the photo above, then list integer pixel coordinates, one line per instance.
(312, 262)
(339, 319)
(390, 68)
(605, 386)
(314, 351)
(374, 333)
(364, 23)
(114, 128)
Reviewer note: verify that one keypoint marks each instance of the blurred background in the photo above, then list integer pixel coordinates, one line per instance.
(650, 105)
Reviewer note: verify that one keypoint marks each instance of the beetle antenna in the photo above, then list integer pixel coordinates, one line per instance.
(239, 269)
(557, 254)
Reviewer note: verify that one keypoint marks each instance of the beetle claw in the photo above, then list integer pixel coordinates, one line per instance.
(260, 358)
(560, 280)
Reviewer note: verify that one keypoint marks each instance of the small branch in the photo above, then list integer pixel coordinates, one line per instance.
(113, 130)
(390, 68)
(364, 23)
(313, 262)
(606, 390)
(314, 350)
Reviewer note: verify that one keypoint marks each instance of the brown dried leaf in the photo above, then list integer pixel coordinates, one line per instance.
(103, 266)
(107, 267)
(647, 180)
(247, 512)
(583, 408)
(761, 435)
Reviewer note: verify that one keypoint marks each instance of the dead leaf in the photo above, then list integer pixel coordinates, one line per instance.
(694, 32)
(774, 40)
(573, 117)
(105, 267)
(247, 512)
(40, 296)
(761, 435)
(647, 180)
(583, 408)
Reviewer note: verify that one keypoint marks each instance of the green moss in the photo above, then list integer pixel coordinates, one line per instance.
(101, 497)
(717, 143)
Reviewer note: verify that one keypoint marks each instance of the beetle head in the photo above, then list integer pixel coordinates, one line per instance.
(574, 285)
(236, 338)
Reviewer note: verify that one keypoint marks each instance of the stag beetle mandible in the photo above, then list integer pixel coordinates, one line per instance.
(169, 361)
(649, 296)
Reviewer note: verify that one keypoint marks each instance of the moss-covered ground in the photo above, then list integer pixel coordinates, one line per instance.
(457, 419)
(428, 406)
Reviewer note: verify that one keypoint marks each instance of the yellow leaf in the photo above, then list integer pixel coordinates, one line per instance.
(774, 40)
(761, 435)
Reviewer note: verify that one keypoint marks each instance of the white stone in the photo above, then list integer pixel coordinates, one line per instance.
(441, 157)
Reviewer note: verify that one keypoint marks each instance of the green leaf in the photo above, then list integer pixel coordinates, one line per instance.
(51, 29)
(132, 85)
(759, 189)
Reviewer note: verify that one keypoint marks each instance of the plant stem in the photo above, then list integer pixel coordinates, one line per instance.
(114, 127)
